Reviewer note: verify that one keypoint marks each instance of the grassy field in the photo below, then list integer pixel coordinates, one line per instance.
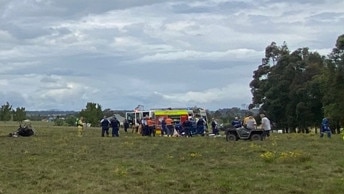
(56, 160)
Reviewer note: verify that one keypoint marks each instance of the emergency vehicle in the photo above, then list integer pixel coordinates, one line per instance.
(178, 115)
(135, 117)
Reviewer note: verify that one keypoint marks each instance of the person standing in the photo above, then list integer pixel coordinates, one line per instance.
(325, 128)
(105, 126)
(115, 127)
(187, 125)
(214, 127)
(144, 125)
(266, 125)
(151, 127)
(200, 126)
(126, 125)
(80, 125)
(169, 126)
(163, 127)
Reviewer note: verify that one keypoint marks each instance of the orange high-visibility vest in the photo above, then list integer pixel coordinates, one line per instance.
(168, 121)
(150, 122)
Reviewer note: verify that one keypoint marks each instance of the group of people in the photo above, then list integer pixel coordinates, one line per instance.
(188, 128)
(107, 123)
(169, 127)
(192, 126)
(249, 123)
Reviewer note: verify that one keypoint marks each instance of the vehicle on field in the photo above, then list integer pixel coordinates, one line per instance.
(134, 118)
(24, 130)
(234, 134)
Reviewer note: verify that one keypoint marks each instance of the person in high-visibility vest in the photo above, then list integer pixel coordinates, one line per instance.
(80, 125)
(169, 126)
(151, 127)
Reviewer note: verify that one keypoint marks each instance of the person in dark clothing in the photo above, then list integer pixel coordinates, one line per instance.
(236, 123)
(325, 128)
(200, 126)
(105, 126)
(214, 127)
(163, 127)
(187, 125)
(115, 127)
(126, 125)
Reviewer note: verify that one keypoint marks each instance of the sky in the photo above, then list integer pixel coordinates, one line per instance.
(62, 54)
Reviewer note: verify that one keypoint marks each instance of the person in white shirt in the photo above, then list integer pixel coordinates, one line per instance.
(251, 123)
(266, 125)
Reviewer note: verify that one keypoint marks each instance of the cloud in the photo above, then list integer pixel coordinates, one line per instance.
(63, 54)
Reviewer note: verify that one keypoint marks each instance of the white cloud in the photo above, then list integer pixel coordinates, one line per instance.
(63, 54)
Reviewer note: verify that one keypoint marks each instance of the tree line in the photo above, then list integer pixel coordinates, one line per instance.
(92, 113)
(297, 89)
(7, 113)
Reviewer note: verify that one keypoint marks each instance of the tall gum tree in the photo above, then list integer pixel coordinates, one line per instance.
(333, 103)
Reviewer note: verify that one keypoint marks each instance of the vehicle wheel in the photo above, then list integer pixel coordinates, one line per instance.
(231, 137)
(256, 137)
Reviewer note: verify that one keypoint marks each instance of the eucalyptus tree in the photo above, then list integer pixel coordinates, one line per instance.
(305, 107)
(333, 103)
(269, 92)
(282, 86)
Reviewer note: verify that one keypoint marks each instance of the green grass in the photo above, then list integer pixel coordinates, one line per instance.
(56, 160)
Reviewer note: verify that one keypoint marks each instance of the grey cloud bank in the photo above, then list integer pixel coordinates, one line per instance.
(63, 54)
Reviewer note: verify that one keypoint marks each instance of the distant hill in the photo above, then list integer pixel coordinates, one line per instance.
(50, 113)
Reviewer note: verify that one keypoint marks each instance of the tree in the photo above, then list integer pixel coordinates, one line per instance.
(70, 120)
(286, 86)
(270, 82)
(92, 114)
(58, 121)
(19, 114)
(6, 112)
(108, 112)
(334, 84)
